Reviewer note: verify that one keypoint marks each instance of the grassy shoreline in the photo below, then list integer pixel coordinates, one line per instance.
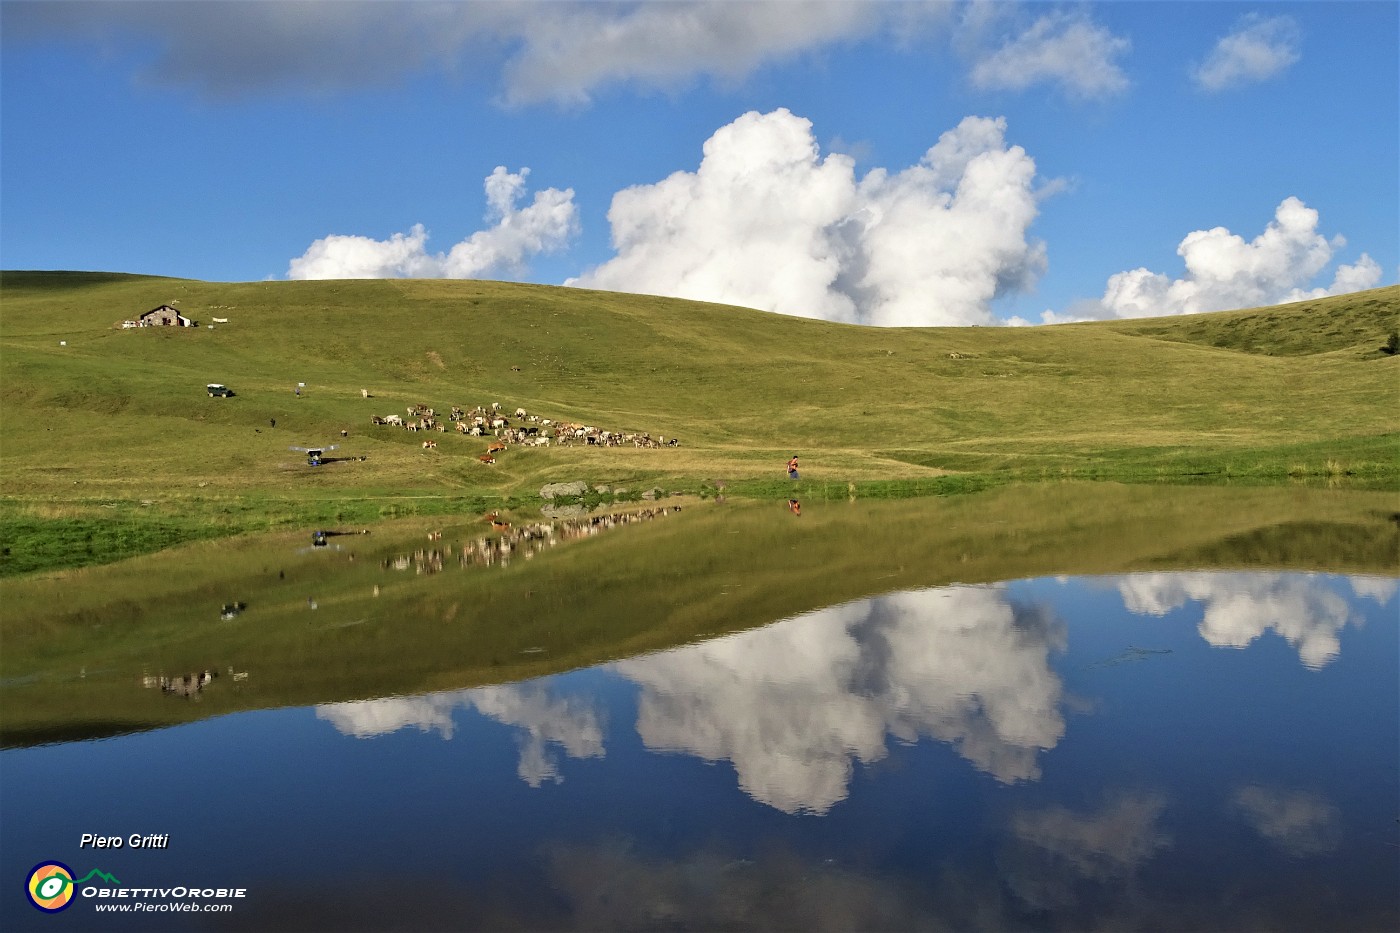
(41, 535)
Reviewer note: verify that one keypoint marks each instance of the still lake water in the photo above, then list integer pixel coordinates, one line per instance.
(1164, 749)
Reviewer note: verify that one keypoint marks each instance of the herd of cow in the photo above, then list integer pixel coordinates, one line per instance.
(522, 429)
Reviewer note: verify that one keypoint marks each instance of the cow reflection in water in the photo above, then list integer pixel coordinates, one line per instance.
(188, 686)
(524, 541)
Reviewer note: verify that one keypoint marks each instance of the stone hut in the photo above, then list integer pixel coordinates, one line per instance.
(165, 316)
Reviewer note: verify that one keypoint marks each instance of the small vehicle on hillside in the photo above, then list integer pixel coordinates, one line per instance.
(314, 455)
(218, 390)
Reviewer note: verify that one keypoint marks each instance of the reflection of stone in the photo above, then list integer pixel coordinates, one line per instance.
(553, 512)
(543, 718)
(791, 705)
(1239, 607)
(1299, 823)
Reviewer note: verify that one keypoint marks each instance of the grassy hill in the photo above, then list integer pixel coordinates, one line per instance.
(109, 444)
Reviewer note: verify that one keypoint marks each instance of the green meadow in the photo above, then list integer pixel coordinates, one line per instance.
(110, 446)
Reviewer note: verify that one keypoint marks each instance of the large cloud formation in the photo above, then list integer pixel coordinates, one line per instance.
(767, 222)
(1224, 272)
(544, 226)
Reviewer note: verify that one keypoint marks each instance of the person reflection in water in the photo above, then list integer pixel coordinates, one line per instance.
(794, 507)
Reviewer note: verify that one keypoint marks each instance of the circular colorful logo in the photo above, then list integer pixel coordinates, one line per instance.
(50, 886)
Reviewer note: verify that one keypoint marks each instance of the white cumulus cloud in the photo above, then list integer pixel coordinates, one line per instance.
(1059, 48)
(767, 222)
(1224, 271)
(543, 226)
(1260, 48)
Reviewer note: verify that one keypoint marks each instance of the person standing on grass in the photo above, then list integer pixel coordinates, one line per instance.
(792, 467)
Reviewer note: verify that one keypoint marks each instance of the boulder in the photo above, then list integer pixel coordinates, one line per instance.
(550, 490)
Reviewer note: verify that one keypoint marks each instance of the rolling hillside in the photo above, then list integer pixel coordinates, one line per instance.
(95, 417)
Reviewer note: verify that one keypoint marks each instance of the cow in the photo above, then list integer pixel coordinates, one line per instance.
(429, 445)
(520, 413)
(496, 447)
(395, 420)
(487, 458)
(364, 393)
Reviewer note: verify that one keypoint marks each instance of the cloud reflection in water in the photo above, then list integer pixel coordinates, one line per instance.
(793, 705)
(544, 719)
(1240, 607)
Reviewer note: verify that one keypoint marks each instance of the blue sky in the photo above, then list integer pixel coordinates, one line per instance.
(880, 163)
